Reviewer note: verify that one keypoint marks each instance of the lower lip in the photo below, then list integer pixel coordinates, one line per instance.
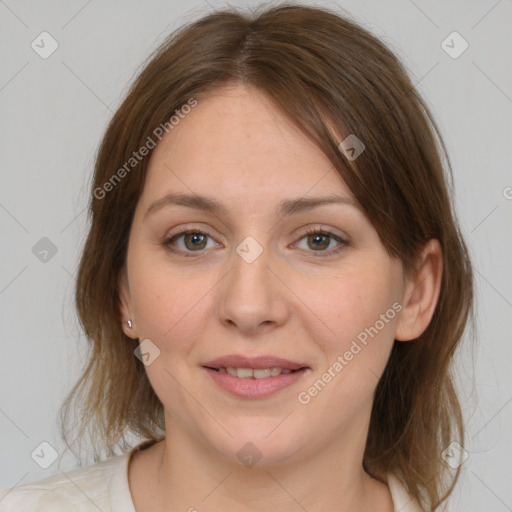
(255, 388)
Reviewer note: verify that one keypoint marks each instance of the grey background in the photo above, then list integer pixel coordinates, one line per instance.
(55, 110)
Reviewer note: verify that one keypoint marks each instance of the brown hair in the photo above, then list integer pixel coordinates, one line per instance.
(332, 78)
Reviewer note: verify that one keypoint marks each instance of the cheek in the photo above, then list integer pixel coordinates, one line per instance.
(359, 312)
(171, 312)
(162, 300)
(350, 305)
(168, 312)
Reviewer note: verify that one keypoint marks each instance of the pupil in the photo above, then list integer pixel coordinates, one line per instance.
(318, 238)
(195, 239)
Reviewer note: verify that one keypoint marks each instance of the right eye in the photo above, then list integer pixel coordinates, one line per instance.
(193, 241)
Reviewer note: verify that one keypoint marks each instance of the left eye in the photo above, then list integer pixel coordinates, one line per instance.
(321, 240)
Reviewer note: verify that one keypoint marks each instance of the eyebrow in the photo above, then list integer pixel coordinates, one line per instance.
(211, 205)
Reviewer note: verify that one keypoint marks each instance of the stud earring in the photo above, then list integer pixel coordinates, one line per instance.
(129, 322)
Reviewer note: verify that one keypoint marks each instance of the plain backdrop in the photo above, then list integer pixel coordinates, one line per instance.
(54, 111)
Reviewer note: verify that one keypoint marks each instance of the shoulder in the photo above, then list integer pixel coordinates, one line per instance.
(85, 489)
(402, 500)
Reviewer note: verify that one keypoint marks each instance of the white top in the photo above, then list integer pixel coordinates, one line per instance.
(104, 486)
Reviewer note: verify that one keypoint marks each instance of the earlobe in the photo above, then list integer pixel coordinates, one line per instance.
(421, 293)
(126, 316)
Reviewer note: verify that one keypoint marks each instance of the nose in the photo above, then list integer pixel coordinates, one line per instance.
(253, 297)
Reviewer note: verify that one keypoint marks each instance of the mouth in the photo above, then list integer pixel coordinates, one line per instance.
(254, 373)
(254, 377)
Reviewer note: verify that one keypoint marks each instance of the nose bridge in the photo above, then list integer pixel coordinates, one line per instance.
(250, 272)
(250, 296)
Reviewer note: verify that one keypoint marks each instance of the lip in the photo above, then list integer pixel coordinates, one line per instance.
(240, 361)
(254, 388)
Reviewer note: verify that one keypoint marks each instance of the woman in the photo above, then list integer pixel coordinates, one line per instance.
(271, 226)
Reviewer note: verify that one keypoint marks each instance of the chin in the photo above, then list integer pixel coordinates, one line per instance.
(260, 441)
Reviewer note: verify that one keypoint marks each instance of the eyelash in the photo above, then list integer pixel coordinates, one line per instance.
(314, 231)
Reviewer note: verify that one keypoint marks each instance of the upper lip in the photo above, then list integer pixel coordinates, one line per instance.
(239, 361)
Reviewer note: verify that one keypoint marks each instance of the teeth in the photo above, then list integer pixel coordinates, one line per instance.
(244, 373)
(257, 373)
(261, 374)
(232, 371)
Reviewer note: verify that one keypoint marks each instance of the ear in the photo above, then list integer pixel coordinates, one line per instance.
(125, 305)
(421, 293)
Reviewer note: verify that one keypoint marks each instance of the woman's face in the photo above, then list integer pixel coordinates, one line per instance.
(249, 281)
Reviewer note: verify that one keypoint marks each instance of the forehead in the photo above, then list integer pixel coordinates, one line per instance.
(236, 143)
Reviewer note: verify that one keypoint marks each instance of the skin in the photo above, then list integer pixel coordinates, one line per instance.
(237, 147)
